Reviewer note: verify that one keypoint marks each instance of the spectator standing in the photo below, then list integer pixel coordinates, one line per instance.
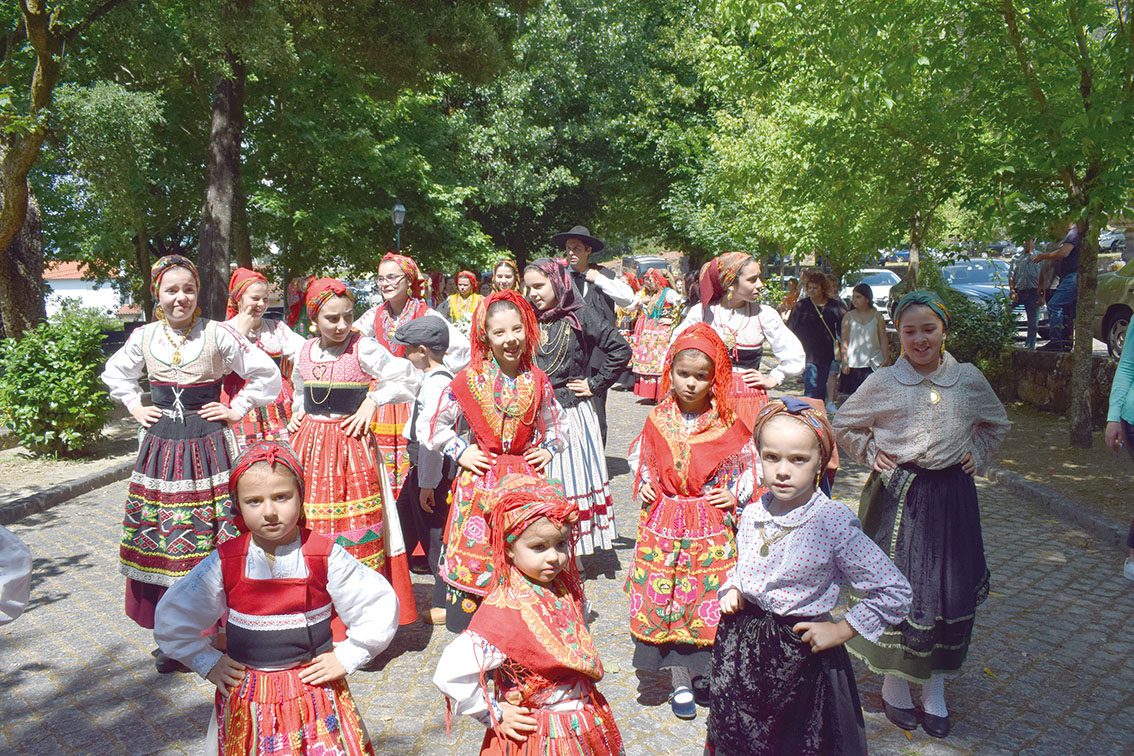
(1027, 282)
(816, 320)
(1061, 306)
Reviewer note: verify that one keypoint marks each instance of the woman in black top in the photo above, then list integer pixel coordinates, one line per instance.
(572, 332)
(817, 322)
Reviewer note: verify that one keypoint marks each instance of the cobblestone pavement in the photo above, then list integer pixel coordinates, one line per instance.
(1050, 670)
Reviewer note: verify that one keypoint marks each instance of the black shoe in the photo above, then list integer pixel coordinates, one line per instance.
(165, 665)
(419, 566)
(701, 691)
(934, 725)
(904, 718)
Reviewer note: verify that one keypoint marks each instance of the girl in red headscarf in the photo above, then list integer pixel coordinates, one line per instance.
(279, 681)
(403, 290)
(660, 307)
(729, 302)
(341, 377)
(498, 416)
(530, 637)
(458, 308)
(694, 470)
(177, 506)
(247, 302)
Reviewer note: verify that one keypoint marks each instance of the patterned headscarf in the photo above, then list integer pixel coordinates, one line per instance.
(705, 340)
(241, 279)
(568, 301)
(296, 294)
(272, 452)
(508, 263)
(164, 264)
(718, 274)
(321, 290)
(478, 333)
(811, 417)
(517, 501)
(412, 272)
(927, 298)
(657, 278)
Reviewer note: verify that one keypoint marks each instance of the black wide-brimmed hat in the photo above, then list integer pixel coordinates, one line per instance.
(581, 233)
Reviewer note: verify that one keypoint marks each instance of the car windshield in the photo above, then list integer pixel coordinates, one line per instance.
(875, 278)
(976, 272)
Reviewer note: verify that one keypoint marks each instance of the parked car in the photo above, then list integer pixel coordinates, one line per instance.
(878, 279)
(1114, 304)
(1112, 241)
(641, 263)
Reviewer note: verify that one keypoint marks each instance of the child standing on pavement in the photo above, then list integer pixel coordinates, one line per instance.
(694, 466)
(280, 682)
(782, 681)
(530, 636)
(424, 502)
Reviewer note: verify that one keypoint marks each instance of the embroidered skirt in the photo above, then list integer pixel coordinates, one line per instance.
(747, 401)
(651, 342)
(588, 731)
(388, 423)
(771, 695)
(272, 713)
(263, 424)
(346, 497)
(582, 471)
(685, 549)
(177, 507)
(928, 521)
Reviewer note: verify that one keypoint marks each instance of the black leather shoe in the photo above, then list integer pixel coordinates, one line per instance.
(904, 718)
(936, 726)
(166, 665)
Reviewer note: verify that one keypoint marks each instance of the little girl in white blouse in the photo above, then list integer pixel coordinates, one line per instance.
(782, 681)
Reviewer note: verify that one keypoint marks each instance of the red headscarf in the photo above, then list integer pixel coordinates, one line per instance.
(517, 501)
(164, 264)
(657, 278)
(296, 294)
(718, 274)
(478, 333)
(322, 289)
(704, 339)
(272, 452)
(241, 279)
(472, 279)
(568, 299)
(411, 271)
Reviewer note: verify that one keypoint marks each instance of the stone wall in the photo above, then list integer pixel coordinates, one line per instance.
(1043, 380)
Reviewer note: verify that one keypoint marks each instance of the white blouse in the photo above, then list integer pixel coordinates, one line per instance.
(459, 672)
(932, 421)
(274, 337)
(749, 328)
(126, 366)
(820, 547)
(456, 356)
(15, 576)
(397, 378)
(363, 599)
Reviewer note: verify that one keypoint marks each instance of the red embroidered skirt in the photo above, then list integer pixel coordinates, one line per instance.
(686, 547)
(747, 401)
(388, 423)
(276, 713)
(467, 564)
(263, 424)
(588, 731)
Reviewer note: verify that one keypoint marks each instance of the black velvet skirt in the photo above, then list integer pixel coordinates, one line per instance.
(928, 521)
(771, 695)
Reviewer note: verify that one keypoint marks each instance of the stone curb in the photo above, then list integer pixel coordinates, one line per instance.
(17, 509)
(1111, 532)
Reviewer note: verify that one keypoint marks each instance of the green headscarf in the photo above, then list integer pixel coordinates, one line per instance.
(927, 298)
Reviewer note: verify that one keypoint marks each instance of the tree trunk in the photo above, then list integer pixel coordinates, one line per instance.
(917, 234)
(221, 178)
(1082, 359)
(241, 239)
(21, 276)
(142, 264)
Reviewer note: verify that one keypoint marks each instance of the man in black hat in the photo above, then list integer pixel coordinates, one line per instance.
(600, 292)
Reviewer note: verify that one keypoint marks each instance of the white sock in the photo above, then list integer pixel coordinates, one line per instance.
(896, 692)
(933, 696)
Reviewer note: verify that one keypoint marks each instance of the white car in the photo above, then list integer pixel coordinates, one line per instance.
(880, 280)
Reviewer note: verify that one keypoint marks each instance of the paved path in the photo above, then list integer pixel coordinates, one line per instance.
(1050, 671)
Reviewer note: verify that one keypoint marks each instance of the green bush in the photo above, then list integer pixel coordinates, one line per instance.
(51, 397)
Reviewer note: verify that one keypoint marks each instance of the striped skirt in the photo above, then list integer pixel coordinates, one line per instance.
(276, 713)
(387, 426)
(263, 424)
(582, 471)
(588, 731)
(348, 497)
(177, 507)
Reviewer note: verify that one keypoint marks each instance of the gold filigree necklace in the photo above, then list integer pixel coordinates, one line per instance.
(175, 359)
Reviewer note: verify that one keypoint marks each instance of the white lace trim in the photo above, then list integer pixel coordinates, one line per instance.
(279, 621)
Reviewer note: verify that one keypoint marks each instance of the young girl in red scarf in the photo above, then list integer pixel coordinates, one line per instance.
(530, 637)
(659, 307)
(403, 291)
(458, 308)
(498, 416)
(281, 687)
(694, 468)
(340, 378)
(247, 302)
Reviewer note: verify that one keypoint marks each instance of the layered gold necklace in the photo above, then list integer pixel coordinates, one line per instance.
(170, 333)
